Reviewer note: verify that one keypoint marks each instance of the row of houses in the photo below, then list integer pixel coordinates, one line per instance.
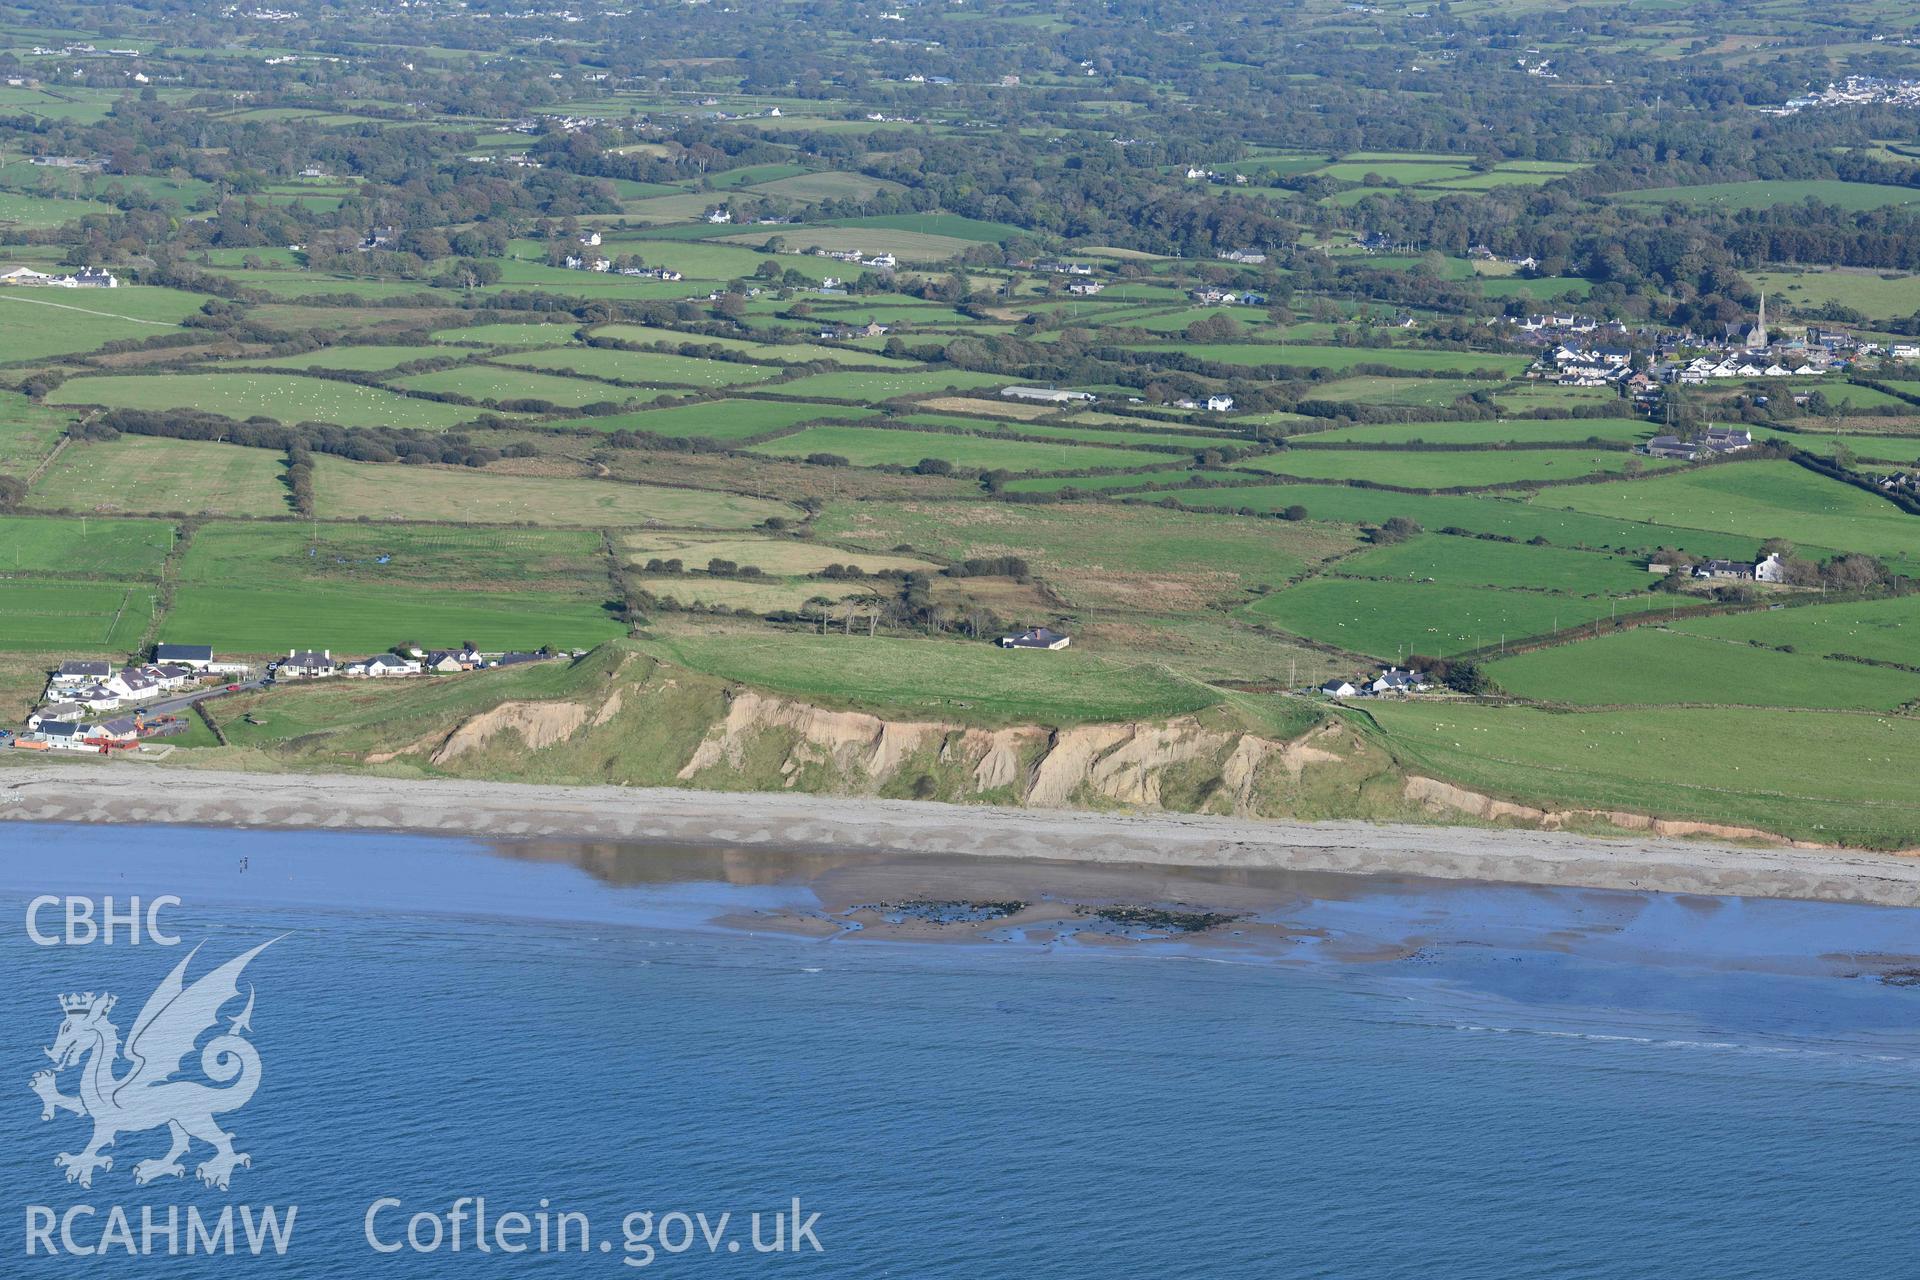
(84, 278)
(1389, 680)
(320, 664)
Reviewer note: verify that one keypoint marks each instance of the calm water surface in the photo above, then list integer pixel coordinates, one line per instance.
(1437, 1081)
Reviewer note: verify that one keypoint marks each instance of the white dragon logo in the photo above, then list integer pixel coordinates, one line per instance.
(147, 1096)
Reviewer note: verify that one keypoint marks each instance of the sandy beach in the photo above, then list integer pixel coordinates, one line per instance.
(89, 792)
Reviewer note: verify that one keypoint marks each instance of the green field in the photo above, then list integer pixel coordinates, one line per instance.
(1476, 468)
(1713, 764)
(451, 559)
(798, 352)
(826, 185)
(770, 555)
(1503, 431)
(1649, 666)
(151, 473)
(877, 446)
(28, 432)
(642, 366)
(951, 225)
(973, 682)
(1477, 514)
(1116, 555)
(1476, 562)
(1054, 484)
(1879, 630)
(284, 397)
(34, 324)
(884, 386)
(492, 383)
(123, 549)
(1385, 619)
(1759, 500)
(763, 595)
(350, 618)
(79, 617)
(1310, 356)
(1855, 196)
(509, 334)
(350, 359)
(719, 419)
(1424, 393)
(1881, 294)
(348, 490)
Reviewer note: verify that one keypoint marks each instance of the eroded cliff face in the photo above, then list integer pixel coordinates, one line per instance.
(1135, 765)
(657, 724)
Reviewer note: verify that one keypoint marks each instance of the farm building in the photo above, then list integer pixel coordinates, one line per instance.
(1049, 395)
(1037, 638)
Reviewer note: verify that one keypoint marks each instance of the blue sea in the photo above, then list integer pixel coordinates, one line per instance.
(1416, 1080)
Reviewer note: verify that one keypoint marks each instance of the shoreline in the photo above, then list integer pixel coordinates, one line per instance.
(85, 792)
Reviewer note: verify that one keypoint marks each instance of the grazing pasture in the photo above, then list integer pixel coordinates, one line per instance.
(1385, 619)
(1714, 764)
(1504, 516)
(354, 359)
(849, 385)
(74, 617)
(150, 473)
(1885, 631)
(1110, 555)
(789, 556)
(876, 447)
(1503, 431)
(953, 679)
(651, 367)
(83, 548)
(1478, 468)
(37, 323)
(348, 490)
(1476, 562)
(488, 382)
(1124, 480)
(1650, 666)
(719, 419)
(450, 559)
(284, 397)
(1854, 196)
(1759, 500)
(357, 619)
(1309, 356)
(509, 334)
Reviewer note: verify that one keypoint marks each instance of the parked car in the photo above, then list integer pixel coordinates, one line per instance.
(233, 688)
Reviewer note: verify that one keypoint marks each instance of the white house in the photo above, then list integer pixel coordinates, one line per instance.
(1338, 689)
(307, 665)
(79, 672)
(1771, 569)
(1036, 638)
(1219, 404)
(384, 665)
